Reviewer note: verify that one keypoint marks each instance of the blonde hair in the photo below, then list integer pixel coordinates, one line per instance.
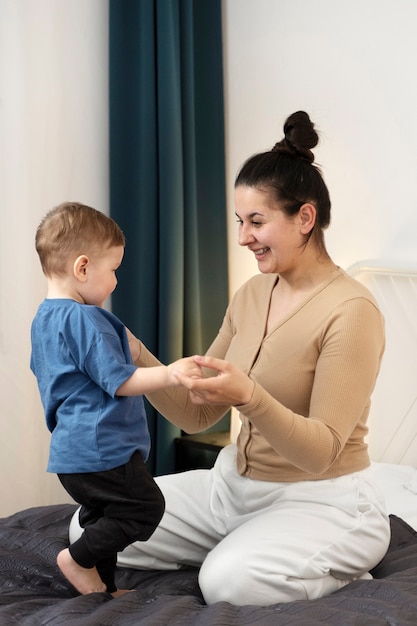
(72, 229)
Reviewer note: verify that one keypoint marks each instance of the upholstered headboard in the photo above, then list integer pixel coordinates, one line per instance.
(393, 416)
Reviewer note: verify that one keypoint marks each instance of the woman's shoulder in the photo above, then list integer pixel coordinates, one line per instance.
(344, 297)
(348, 288)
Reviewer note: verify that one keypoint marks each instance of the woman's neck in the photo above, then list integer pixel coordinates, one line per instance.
(307, 275)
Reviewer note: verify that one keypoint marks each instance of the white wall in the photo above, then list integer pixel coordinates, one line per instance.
(53, 147)
(351, 66)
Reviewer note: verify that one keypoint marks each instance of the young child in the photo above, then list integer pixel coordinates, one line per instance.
(92, 394)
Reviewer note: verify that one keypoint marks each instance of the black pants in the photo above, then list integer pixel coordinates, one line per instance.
(118, 507)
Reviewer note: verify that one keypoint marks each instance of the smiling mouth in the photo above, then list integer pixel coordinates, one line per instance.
(260, 252)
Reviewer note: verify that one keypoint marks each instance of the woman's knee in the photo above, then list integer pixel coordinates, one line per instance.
(227, 576)
(220, 578)
(240, 579)
(224, 580)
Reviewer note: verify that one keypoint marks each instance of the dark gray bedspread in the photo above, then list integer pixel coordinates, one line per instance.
(33, 592)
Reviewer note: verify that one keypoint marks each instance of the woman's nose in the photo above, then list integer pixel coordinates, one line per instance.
(244, 236)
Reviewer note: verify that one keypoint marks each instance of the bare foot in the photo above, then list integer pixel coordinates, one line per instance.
(121, 592)
(83, 579)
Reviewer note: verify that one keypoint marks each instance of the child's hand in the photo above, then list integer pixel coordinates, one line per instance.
(186, 367)
(229, 385)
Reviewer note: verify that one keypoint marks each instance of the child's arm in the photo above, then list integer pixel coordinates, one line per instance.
(147, 379)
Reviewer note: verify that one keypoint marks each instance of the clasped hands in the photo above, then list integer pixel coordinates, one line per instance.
(227, 385)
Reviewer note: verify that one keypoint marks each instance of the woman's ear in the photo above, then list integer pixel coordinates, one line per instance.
(80, 268)
(307, 214)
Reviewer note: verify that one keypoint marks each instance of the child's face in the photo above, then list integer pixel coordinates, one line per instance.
(101, 275)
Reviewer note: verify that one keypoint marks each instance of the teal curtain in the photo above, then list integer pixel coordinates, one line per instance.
(167, 181)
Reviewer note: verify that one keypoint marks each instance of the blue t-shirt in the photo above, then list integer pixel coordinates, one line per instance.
(80, 357)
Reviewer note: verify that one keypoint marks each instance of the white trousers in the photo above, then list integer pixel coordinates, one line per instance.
(260, 542)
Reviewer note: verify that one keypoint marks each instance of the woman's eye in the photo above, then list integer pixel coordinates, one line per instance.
(253, 222)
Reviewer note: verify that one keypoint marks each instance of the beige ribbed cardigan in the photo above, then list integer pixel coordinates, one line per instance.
(314, 373)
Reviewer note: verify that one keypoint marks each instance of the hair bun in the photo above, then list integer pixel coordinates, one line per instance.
(299, 137)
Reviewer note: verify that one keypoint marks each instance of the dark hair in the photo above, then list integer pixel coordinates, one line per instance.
(288, 173)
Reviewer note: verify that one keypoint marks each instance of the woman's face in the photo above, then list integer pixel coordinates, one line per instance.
(276, 240)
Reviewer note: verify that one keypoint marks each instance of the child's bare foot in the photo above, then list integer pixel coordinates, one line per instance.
(83, 579)
(120, 592)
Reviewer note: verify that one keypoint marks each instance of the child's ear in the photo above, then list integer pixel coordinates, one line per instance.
(80, 267)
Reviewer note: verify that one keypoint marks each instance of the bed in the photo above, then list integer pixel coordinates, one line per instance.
(33, 592)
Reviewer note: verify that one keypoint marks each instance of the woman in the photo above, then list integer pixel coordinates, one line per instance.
(290, 512)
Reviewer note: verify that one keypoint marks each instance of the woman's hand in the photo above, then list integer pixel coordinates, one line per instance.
(229, 385)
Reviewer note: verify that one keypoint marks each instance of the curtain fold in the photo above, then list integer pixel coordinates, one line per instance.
(167, 181)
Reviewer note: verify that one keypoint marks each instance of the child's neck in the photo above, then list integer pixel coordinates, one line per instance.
(60, 288)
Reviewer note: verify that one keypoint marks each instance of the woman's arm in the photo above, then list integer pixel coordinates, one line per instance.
(344, 378)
